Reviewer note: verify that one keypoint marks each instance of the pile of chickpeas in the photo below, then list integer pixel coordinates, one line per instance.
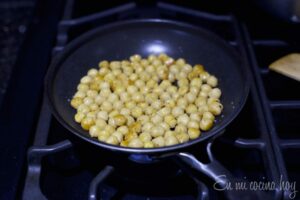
(147, 102)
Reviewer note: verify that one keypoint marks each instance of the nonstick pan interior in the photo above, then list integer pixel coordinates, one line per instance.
(120, 40)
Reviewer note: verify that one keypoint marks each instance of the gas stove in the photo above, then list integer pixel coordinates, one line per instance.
(259, 146)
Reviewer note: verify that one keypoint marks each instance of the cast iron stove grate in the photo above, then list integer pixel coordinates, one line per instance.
(56, 170)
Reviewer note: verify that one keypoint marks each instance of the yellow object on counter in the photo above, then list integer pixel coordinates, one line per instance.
(288, 65)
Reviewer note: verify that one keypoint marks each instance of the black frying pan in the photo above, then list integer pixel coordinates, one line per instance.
(120, 40)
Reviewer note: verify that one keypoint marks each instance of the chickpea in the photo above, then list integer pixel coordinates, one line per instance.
(80, 94)
(136, 143)
(112, 140)
(191, 108)
(147, 103)
(215, 93)
(83, 87)
(212, 81)
(100, 123)
(86, 80)
(181, 128)
(147, 127)
(159, 141)
(148, 144)
(206, 124)
(118, 135)
(195, 117)
(208, 115)
(215, 108)
(87, 122)
(123, 129)
(79, 117)
(94, 131)
(194, 133)
(193, 124)
(170, 120)
(120, 120)
(177, 111)
(183, 119)
(156, 119)
(182, 137)
(76, 102)
(157, 131)
(145, 137)
(171, 140)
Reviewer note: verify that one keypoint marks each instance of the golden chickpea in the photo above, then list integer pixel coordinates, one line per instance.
(136, 143)
(123, 129)
(157, 131)
(76, 102)
(99, 99)
(147, 127)
(83, 87)
(190, 97)
(177, 111)
(206, 124)
(195, 117)
(148, 144)
(143, 119)
(194, 133)
(138, 97)
(118, 135)
(208, 115)
(112, 140)
(215, 108)
(125, 111)
(191, 108)
(145, 137)
(180, 128)
(86, 80)
(159, 141)
(94, 107)
(196, 82)
(212, 81)
(182, 137)
(136, 112)
(83, 109)
(169, 133)
(164, 111)
(104, 64)
(200, 101)
(183, 119)
(120, 120)
(193, 124)
(80, 94)
(156, 119)
(183, 90)
(106, 106)
(100, 123)
(110, 129)
(87, 122)
(88, 101)
(135, 103)
(92, 72)
(79, 117)
(94, 131)
(170, 120)
(215, 93)
(171, 140)
(103, 135)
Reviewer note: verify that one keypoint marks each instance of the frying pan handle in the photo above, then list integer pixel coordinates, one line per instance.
(223, 179)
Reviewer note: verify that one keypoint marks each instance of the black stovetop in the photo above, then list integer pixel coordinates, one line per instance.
(260, 145)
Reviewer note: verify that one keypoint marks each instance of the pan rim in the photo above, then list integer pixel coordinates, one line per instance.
(87, 36)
